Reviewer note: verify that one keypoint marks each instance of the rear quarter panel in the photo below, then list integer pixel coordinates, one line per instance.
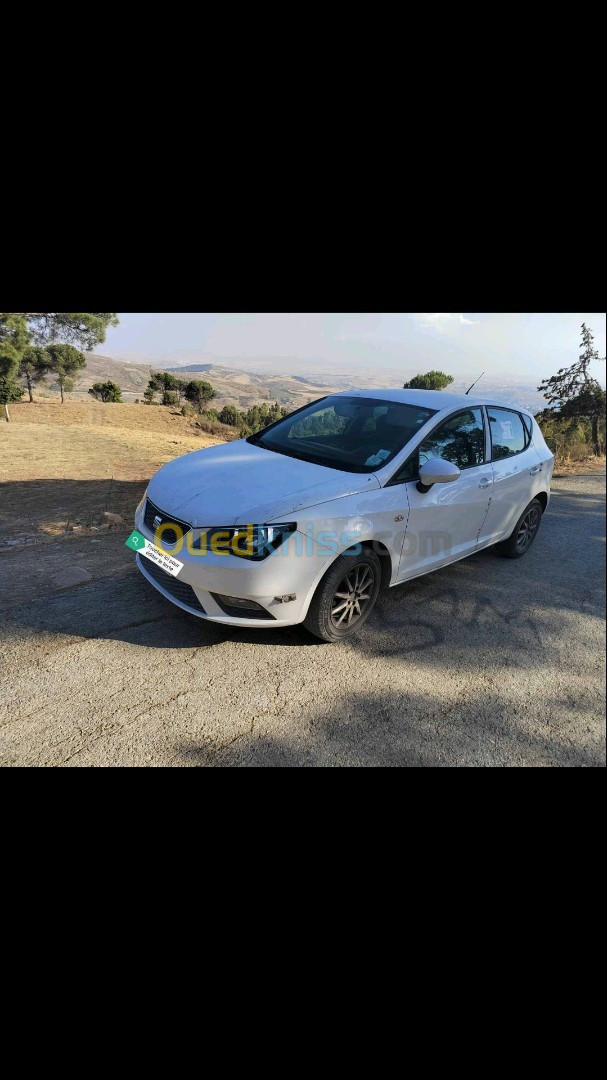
(545, 456)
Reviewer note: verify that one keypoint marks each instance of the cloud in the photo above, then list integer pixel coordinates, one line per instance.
(443, 319)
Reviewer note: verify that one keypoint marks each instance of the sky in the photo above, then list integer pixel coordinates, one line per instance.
(509, 347)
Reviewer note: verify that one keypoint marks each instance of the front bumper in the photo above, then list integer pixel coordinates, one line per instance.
(293, 569)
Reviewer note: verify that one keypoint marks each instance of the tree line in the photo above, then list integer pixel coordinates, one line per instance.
(34, 345)
(164, 388)
(167, 389)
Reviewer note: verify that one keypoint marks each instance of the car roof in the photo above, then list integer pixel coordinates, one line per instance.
(434, 399)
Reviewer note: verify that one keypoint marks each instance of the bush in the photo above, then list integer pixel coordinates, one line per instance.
(569, 438)
(107, 391)
(232, 423)
(230, 415)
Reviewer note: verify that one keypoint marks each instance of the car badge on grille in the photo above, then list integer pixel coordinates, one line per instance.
(157, 521)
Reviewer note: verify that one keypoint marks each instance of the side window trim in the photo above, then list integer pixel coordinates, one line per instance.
(523, 419)
(411, 479)
(488, 443)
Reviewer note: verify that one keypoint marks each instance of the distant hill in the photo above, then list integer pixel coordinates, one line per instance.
(191, 368)
(244, 389)
(233, 387)
(131, 378)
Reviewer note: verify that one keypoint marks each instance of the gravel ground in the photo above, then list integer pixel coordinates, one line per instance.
(490, 662)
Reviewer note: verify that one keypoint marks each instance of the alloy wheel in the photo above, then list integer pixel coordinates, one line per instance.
(527, 529)
(352, 596)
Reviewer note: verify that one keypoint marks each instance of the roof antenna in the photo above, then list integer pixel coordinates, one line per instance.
(475, 382)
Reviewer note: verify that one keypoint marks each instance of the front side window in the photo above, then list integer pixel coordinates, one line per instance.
(460, 439)
(508, 433)
(349, 433)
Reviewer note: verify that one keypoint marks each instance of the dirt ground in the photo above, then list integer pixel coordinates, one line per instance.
(63, 468)
(490, 662)
(87, 440)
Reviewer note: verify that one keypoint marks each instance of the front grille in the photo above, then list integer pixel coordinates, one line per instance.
(178, 589)
(169, 537)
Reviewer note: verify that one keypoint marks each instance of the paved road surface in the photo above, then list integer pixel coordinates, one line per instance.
(490, 662)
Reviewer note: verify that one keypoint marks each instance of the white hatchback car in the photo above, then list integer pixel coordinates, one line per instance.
(304, 521)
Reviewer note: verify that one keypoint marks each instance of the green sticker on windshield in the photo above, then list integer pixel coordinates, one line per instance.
(136, 541)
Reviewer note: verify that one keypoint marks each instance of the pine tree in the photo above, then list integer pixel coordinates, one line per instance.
(432, 380)
(65, 362)
(573, 389)
(18, 329)
(34, 365)
(107, 391)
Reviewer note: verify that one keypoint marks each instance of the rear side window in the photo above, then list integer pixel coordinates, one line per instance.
(508, 433)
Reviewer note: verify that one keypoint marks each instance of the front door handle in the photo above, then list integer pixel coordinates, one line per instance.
(484, 483)
(535, 470)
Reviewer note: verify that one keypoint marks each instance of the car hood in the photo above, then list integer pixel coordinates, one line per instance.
(239, 483)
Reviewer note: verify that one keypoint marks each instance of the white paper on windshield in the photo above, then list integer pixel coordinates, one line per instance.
(377, 458)
(507, 433)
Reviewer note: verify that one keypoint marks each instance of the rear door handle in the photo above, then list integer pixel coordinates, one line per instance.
(535, 470)
(484, 483)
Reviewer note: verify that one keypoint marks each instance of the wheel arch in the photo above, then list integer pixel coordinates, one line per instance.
(385, 560)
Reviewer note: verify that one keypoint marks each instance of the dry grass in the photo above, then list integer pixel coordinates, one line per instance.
(71, 476)
(87, 440)
(594, 465)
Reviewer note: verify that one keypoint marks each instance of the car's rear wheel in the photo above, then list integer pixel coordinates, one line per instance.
(524, 532)
(345, 597)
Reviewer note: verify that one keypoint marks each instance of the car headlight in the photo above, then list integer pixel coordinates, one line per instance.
(246, 541)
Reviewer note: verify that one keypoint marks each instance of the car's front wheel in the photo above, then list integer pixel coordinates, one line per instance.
(345, 597)
(524, 532)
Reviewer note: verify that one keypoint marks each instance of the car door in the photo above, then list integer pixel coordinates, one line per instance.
(444, 523)
(516, 465)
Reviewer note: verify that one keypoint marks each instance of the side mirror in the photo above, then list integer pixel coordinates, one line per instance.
(437, 471)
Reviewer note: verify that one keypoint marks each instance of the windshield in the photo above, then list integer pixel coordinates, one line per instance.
(349, 433)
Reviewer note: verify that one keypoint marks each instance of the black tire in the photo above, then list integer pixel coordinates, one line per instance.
(524, 532)
(355, 576)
